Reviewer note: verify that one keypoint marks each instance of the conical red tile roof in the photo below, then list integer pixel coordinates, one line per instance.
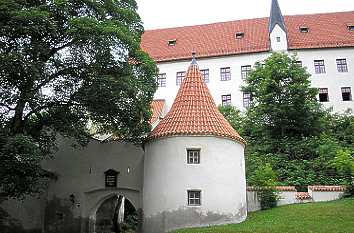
(194, 112)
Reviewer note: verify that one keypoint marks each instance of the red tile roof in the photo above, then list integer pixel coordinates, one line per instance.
(325, 31)
(277, 188)
(194, 112)
(157, 107)
(326, 188)
(303, 196)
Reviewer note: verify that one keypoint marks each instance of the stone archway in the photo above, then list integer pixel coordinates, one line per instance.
(109, 214)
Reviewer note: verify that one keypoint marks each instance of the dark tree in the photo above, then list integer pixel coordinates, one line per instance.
(66, 65)
(284, 103)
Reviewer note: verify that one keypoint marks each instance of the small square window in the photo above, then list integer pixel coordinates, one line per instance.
(172, 42)
(342, 66)
(225, 74)
(278, 39)
(179, 77)
(245, 72)
(111, 178)
(299, 63)
(304, 29)
(319, 67)
(193, 156)
(346, 94)
(194, 197)
(205, 74)
(239, 35)
(247, 99)
(226, 100)
(161, 80)
(323, 94)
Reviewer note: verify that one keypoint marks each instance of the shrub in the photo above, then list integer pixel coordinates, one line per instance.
(265, 178)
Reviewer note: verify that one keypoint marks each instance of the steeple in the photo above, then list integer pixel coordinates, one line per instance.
(276, 17)
(194, 112)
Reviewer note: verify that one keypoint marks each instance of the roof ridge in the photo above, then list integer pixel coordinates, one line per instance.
(237, 20)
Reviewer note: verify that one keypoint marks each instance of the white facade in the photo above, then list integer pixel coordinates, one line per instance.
(332, 79)
(278, 39)
(220, 177)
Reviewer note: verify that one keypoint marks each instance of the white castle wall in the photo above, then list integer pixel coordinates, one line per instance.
(332, 79)
(220, 176)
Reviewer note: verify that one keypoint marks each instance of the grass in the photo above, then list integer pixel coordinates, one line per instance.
(324, 217)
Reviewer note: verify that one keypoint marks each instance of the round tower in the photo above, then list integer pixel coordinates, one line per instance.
(194, 168)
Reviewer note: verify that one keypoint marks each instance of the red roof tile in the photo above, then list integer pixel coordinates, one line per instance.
(302, 196)
(277, 188)
(326, 188)
(157, 108)
(194, 112)
(325, 31)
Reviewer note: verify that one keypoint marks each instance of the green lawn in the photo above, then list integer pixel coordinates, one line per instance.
(324, 217)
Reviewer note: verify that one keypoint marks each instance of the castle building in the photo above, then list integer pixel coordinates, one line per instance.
(227, 51)
(190, 172)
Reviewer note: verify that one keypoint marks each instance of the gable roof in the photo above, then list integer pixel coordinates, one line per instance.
(194, 112)
(276, 17)
(328, 30)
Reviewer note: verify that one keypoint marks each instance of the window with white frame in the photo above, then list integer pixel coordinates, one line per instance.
(226, 100)
(161, 80)
(225, 74)
(323, 94)
(346, 94)
(299, 63)
(205, 74)
(179, 77)
(342, 66)
(247, 99)
(319, 67)
(245, 71)
(194, 197)
(193, 156)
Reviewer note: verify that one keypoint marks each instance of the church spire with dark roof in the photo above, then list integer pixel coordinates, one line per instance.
(194, 112)
(276, 17)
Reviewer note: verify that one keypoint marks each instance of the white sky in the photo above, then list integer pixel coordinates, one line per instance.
(174, 13)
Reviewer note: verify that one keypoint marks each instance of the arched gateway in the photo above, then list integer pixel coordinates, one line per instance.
(115, 209)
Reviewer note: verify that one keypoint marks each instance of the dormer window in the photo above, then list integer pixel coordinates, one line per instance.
(350, 27)
(240, 35)
(111, 178)
(304, 29)
(172, 42)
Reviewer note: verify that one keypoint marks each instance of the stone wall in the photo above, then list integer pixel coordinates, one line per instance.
(289, 195)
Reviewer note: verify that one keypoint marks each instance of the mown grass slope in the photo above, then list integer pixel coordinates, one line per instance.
(323, 217)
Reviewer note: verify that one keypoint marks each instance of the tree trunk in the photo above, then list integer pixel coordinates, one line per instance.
(17, 124)
(116, 228)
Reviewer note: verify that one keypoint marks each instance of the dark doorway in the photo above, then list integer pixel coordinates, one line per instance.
(116, 215)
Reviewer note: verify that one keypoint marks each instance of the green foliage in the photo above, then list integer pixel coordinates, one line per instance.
(64, 65)
(286, 127)
(234, 117)
(343, 162)
(265, 178)
(285, 105)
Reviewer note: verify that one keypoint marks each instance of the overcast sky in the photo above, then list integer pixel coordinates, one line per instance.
(174, 13)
